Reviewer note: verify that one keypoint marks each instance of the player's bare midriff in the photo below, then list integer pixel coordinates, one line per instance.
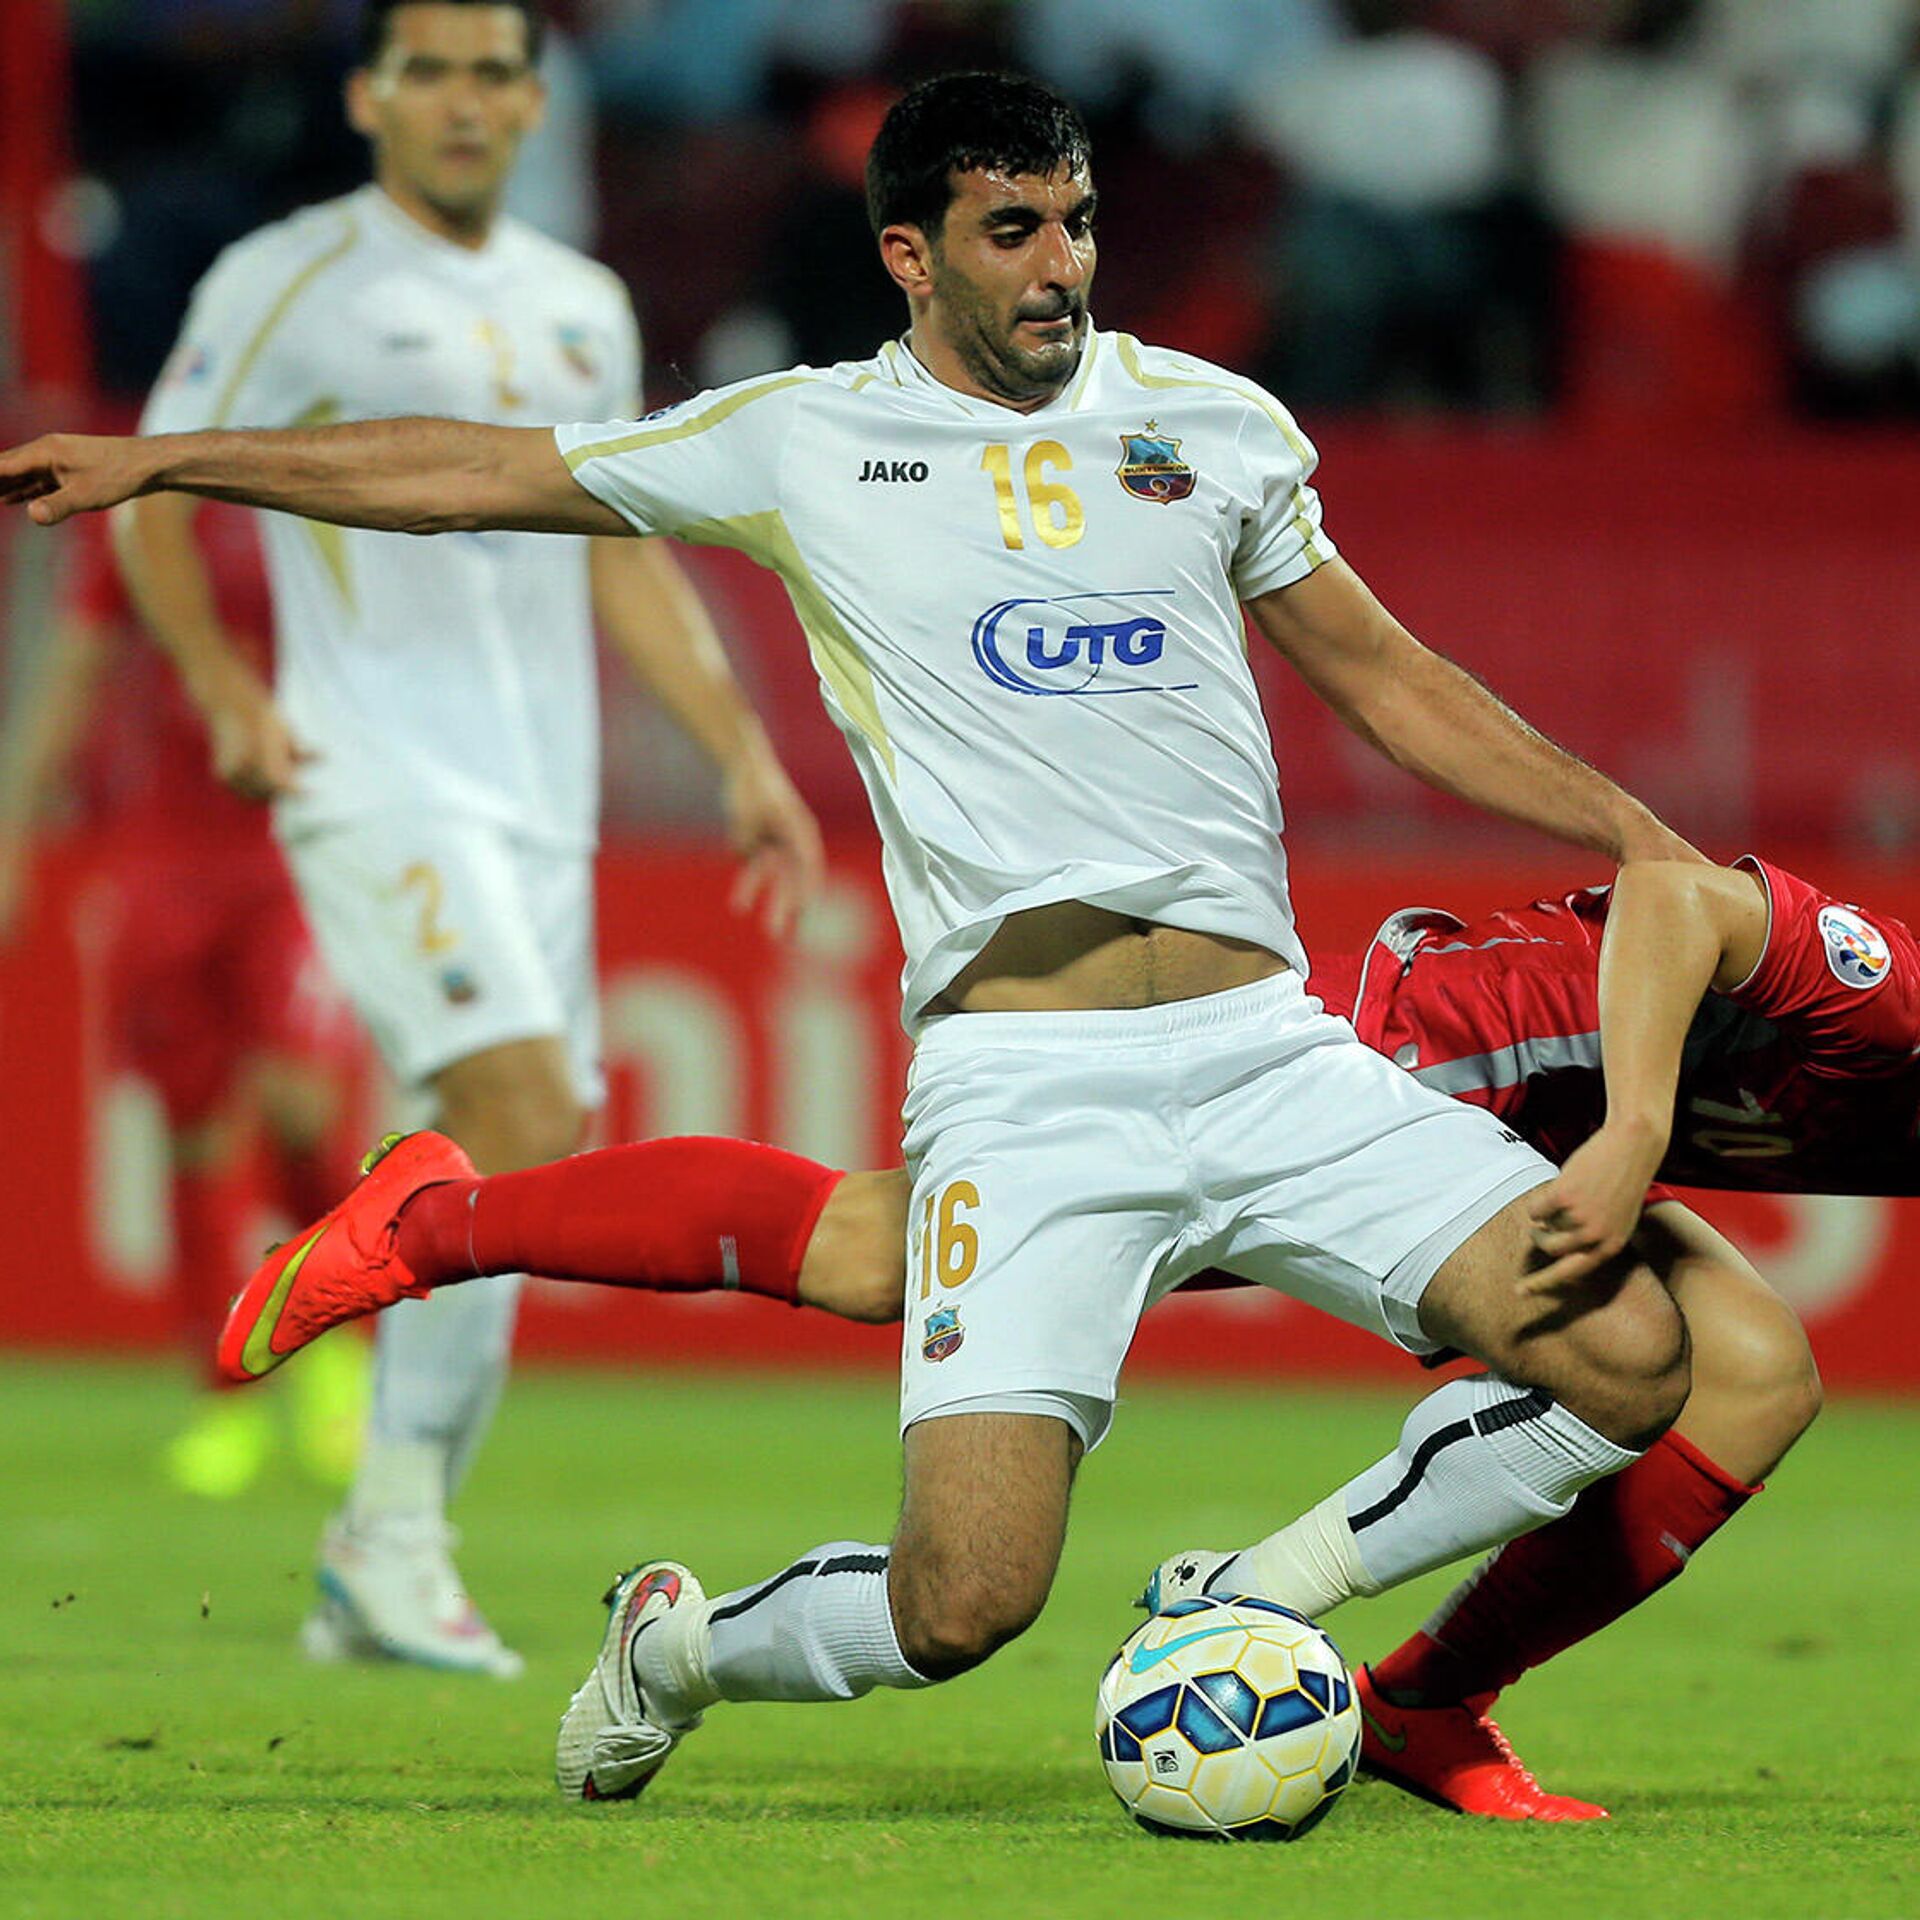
(1071, 957)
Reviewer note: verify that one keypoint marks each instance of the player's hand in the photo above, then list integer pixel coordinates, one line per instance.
(254, 750)
(1587, 1216)
(777, 839)
(61, 474)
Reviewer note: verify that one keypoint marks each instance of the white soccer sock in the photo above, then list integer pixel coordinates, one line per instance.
(820, 1630)
(1479, 1461)
(439, 1365)
(1311, 1565)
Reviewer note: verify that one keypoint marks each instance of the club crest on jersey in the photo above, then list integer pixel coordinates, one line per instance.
(942, 1334)
(1857, 951)
(576, 349)
(1081, 644)
(1151, 468)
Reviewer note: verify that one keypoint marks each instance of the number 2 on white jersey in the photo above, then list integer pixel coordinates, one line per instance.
(1054, 510)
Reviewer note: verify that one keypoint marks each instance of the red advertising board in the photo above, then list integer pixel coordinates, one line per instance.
(711, 1029)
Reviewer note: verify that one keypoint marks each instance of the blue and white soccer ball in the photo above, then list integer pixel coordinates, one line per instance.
(1229, 1718)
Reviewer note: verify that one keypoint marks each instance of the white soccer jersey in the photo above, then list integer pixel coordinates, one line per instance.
(452, 674)
(1026, 625)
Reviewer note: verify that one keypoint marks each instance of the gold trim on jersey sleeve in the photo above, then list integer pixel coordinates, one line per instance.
(683, 429)
(329, 541)
(1129, 350)
(765, 537)
(276, 313)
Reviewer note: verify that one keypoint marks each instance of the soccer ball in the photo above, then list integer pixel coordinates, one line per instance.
(1228, 1719)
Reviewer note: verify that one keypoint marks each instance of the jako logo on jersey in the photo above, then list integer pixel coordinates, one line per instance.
(1857, 950)
(893, 470)
(1062, 646)
(1151, 468)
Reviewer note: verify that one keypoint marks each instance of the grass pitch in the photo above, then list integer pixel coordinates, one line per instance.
(164, 1751)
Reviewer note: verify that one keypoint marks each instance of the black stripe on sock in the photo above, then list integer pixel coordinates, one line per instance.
(798, 1570)
(1495, 1419)
(846, 1563)
(856, 1563)
(1514, 1413)
(1423, 1457)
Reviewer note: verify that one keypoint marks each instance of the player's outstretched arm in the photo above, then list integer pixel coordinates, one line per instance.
(403, 476)
(1673, 930)
(1431, 717)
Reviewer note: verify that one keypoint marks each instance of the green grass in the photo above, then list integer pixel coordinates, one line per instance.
(163, 1750)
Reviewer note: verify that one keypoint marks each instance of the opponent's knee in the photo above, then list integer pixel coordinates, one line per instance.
(1754, 1375)
(855, 1263)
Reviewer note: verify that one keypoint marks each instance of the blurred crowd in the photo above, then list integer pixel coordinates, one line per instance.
(1690, 212)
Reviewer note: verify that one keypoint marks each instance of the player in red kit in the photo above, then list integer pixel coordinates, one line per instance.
(211, 991)
(1759, 1034)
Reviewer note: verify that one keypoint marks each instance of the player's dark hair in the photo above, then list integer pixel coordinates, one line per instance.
(375, 16)
(955, 123)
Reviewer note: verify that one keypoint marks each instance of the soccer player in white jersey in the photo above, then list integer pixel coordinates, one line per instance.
(430, 744)
(1019, 548)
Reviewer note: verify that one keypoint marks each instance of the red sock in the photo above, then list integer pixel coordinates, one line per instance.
(680, 1216)
(1624, 1538)
(212, 1207)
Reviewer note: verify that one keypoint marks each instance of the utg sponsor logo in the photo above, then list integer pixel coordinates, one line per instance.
(1079, 644)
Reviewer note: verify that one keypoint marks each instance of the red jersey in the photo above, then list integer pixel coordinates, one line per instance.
(1804, 1079)
(144, 764)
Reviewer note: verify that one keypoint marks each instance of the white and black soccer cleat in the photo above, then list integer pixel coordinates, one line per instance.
(1182, 1576)
(608, 1748)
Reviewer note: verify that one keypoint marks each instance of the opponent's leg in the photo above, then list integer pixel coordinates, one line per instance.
(675, 1216)
(969, 1568)
(1755, 1391)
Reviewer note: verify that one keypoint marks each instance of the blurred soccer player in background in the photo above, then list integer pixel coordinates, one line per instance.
(212, 992)
(429, 743)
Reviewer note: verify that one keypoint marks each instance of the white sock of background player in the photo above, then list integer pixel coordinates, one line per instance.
(439, 1367)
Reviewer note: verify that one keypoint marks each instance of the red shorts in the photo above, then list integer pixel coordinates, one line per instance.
(209, 966)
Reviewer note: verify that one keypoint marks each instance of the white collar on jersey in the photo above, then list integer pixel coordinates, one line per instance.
(908, 370)
(386, 212)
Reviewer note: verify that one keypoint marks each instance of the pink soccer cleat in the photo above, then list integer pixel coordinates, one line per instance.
(1457, 1758)
(340, 1268)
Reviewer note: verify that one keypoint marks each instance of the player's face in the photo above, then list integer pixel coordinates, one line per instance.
(446, 107)
(1008, 277)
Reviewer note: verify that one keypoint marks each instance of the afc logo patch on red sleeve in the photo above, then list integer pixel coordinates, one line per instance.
(1857, 951)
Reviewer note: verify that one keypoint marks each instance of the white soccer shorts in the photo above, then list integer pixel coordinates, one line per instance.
(452, 936)
(1071, 1169)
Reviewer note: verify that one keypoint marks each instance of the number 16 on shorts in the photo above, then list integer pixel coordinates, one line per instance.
(948, 1253)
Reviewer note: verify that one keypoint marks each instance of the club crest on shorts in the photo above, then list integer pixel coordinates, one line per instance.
(1857, 951)
(1151, 468)
(458, 986)
(942, 1334)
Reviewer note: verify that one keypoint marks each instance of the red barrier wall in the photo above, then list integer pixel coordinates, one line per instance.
(711, 1030)
(1730, 631)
